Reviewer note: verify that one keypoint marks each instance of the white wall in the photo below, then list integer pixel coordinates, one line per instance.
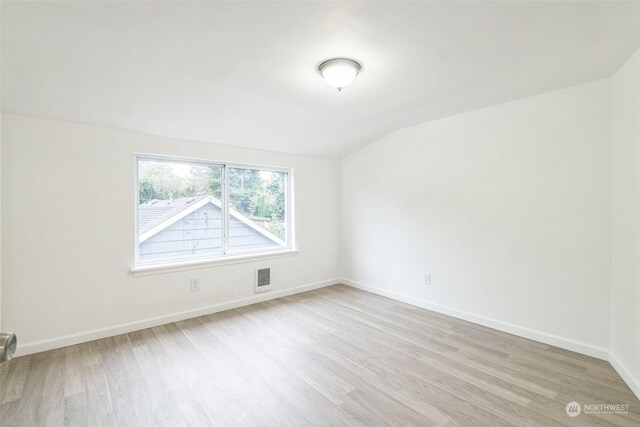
(526, 218)
(1, 223)
(68, 232)
(0, 195)
(625, 295)
(507, 207)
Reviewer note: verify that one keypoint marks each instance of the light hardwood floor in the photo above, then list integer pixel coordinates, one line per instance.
(334, 356)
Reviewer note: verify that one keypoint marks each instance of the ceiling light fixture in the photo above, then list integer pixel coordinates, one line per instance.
(339, 72)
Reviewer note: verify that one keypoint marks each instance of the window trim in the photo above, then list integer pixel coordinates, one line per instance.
(226, 258)
(195, 264)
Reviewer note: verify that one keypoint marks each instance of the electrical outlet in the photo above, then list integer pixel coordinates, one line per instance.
(427, 279)
(194, 285)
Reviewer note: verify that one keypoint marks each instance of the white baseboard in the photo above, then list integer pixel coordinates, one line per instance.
(625, 373)
(580, 347)
(53, 343)
(562, 342)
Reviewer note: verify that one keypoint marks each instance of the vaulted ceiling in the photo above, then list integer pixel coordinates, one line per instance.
(244, 73)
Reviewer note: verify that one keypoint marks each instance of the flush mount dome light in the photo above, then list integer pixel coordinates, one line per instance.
(339, 72)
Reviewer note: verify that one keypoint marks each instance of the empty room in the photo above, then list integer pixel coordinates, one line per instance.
(320, 213)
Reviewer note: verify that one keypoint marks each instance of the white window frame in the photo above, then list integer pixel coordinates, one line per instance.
(226, 257)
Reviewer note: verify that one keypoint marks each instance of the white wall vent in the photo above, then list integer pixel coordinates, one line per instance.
(263, 279)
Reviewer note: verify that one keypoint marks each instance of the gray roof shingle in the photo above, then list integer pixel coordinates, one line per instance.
(154, 212)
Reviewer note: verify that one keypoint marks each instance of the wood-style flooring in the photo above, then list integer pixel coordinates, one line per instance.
(330, 357)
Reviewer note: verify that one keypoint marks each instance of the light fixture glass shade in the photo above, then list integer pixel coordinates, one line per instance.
(339, 72)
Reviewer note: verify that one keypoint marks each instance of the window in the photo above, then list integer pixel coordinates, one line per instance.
(192, 209)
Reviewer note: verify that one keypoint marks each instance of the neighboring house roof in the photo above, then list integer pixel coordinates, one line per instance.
(154, 212)
(156, 215)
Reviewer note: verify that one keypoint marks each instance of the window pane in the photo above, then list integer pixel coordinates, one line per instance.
(179, 212)
(257, 209)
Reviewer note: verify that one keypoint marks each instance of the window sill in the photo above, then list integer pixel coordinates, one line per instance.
(148, 270)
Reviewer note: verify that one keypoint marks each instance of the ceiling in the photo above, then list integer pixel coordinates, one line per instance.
(244, 73)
